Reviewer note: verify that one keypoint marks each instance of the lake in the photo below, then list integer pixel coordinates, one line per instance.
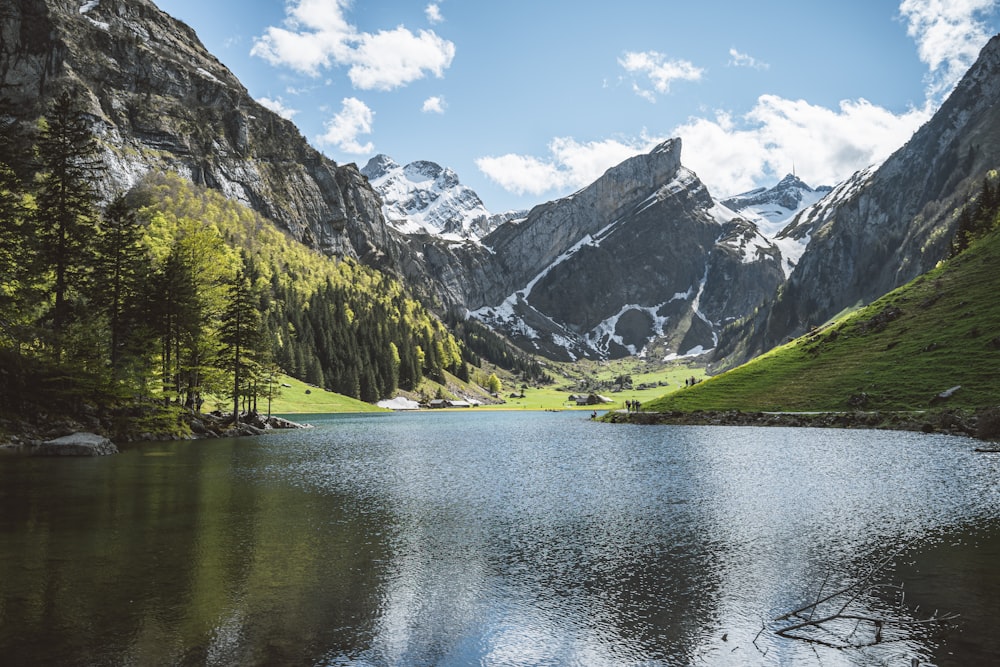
(504, 538)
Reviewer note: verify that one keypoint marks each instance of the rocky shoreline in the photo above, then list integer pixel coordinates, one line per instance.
(88, 437)
(983, 424)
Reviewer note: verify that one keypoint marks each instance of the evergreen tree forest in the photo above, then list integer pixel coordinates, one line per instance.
(171, 295)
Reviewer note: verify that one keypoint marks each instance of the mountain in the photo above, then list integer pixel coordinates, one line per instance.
(642, 261)
(159, 101)
(543, 281)
(771, 209)
(887, 224)
(901, 352)
(425, 198)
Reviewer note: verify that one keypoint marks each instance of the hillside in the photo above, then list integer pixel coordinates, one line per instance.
(889, 223)
(899, 353)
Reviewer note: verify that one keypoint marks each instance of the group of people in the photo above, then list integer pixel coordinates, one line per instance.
(691, 381)
(631, 406)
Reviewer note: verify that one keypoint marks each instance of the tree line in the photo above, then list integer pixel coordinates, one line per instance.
(978, 216)
(170, 294)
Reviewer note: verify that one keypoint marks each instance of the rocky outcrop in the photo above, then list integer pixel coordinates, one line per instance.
(160, 101)
(75, 444)
(641, 260)
(886, 225)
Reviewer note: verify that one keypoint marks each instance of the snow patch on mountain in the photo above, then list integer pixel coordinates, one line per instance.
(600, 337)
(771, 210)
(795, 236)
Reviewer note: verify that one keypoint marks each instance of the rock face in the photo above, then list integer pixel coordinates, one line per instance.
(642, 259)
(159, 100)
(76, 444)
(886, 225)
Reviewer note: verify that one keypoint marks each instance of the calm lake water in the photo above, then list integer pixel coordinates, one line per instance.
(488, 538)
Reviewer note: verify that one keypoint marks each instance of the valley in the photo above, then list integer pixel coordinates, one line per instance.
(389, 279)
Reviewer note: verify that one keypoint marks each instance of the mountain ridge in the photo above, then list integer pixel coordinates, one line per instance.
(422, 197)
(888, 223)
(643, 261)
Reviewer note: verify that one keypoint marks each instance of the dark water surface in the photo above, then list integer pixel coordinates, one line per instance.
(500, 539)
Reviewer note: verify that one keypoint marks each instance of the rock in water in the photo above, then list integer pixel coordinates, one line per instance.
(76, 444)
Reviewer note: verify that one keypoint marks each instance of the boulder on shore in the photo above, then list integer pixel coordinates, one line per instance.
(75, 444)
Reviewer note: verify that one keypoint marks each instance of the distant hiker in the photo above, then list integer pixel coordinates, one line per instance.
(593, 415)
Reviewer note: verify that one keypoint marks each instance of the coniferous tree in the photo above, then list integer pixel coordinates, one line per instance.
(13, 261)
(66, 218)
(177, 315)
(122, 270)
(240, 335)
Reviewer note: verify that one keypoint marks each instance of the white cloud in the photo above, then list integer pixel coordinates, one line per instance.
(433, 13)
(735, 154)
(353, 120)
(731, 154)
(317, 36)
(569, 166)
(737, 59)
(949, 36)
(278, 107)
(659, 70)
(434, 105)
(392, 58)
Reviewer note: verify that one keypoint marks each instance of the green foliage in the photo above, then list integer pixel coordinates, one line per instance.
(174, 294)
(65, 219)
(478, 341)
(331, 322)
(978, 217)
(493, 384)
(899, 353)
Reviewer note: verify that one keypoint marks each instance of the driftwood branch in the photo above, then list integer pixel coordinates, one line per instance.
(822, 622)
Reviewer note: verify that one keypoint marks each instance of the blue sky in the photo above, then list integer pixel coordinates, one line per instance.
(529, 101)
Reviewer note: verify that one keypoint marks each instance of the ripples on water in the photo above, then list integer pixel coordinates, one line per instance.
(546, 539)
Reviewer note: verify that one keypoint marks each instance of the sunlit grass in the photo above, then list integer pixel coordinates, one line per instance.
(898, 353)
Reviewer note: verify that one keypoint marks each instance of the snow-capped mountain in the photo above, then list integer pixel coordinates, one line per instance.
(425, 198)
(643, 261)
(772, 209)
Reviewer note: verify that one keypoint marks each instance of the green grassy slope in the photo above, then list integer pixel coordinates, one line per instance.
(939, 331)
(301, 398)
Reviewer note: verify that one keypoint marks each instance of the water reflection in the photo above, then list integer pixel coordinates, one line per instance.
(494, 539)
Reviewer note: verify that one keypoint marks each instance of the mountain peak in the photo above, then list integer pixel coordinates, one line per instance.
(379, 166)
(792, 181)
(422, 197)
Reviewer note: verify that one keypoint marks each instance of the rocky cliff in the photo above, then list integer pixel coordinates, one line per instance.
(885, 225)
(159, 100)
(641, 261)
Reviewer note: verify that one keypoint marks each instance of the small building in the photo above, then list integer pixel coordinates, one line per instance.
(449, 403)
(590, 399)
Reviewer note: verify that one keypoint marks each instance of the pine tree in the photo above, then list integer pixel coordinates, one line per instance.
(240, 335)
(177, 315)
(122, 270)
(66, 217)
(14, 266)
